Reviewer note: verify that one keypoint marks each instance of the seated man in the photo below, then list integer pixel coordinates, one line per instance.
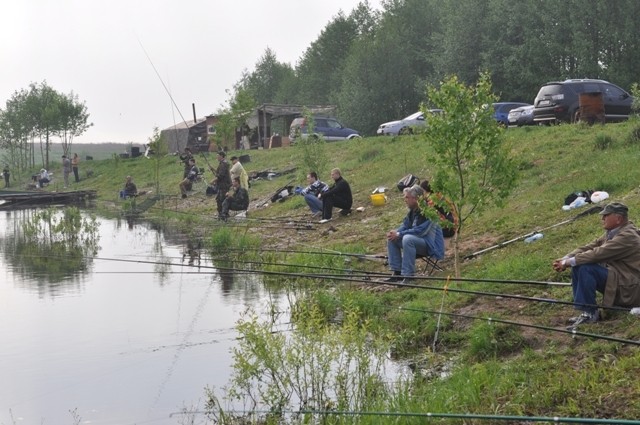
(610, 265)
(130, 189)
(237, 199)
(186, 183)
(43, 179)
(416, 236)
(311, 193)
(338, 195)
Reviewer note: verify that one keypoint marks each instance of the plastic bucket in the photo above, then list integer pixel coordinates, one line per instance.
(378, 199)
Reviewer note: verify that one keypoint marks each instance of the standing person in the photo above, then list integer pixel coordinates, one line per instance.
(237, 170)
(417, 235)
(237, 199)
(74, 165)
(129, 190)
(6, 174)
(222, 180)
(66, 170)
(187, 182)
(609, 265)
(315, 187)
(338, 195)
(185, 157)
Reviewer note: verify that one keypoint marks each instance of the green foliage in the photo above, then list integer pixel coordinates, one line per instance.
(634, 136)
(635, 92)
(492, 340)
(603, 142)
(319, 365)
(312, 149)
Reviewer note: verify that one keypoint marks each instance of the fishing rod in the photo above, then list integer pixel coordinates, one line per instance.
(424, 415)
(572, 331)
(590, 211)
(365, 280)
(161, 81)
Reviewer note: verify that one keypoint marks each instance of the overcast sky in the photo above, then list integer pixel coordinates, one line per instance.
(199, 47)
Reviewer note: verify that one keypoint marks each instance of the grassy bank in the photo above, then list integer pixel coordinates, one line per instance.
(493, 367)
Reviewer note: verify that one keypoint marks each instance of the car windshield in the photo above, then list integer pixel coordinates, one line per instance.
(415, 116)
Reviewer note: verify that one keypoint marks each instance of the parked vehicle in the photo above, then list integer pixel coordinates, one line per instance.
(520, 116)
(407, 125)
(329, 128)
(559, 101)
(501, 111)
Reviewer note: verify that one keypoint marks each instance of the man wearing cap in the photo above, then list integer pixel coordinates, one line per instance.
(610, 265)
(237, 170)
(222, 180)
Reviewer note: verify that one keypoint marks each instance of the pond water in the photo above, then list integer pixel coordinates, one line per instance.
(118, 342)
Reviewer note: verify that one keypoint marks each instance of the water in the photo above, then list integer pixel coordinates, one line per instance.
(118, 342)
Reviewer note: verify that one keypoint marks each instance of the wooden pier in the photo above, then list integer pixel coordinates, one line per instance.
(13, 199)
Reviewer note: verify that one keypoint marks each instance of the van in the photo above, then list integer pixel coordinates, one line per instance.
(558, 101)
(327, 127)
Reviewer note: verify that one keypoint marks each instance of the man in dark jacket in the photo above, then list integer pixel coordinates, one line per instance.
(237, 199)
(609, 264)
(222, 180)
(338, 195)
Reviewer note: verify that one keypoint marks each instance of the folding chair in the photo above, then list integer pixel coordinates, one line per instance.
(430, 265)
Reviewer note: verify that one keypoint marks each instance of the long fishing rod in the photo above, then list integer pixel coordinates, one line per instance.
(425, 415)
(367, 280)
(161, 81)
(590, 211)
(572, 331)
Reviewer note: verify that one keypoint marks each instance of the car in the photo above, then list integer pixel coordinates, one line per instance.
(559, 101)
(327, 127)
(520, 116)
(501, 111)
(407, 125)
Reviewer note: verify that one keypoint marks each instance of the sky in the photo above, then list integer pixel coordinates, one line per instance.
(96, 49)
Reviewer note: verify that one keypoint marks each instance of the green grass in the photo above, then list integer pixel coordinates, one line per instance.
(499, 369)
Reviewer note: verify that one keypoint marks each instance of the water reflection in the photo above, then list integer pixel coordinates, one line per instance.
(51, 251)
(131, 337)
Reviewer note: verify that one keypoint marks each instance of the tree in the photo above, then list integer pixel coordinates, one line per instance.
(471, 163)
(41, 112)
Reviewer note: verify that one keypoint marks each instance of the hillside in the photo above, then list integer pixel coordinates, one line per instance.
(502, 368)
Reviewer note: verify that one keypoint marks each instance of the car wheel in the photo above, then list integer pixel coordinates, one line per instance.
(404, 130)
(575, 116)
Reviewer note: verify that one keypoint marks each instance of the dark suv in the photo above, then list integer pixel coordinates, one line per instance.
(329, 128)
(559, 100)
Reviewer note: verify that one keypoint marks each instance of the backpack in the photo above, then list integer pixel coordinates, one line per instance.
(573, 196)
(407, 181)
(211, 190)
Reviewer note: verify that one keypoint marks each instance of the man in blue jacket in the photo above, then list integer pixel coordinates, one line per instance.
(416, 236)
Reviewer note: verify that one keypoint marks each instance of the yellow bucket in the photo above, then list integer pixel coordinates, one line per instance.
(378, 199)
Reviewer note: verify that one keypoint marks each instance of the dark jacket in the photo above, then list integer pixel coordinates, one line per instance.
(223, 177)
(341, 190)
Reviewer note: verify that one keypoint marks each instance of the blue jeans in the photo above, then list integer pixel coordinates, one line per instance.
(314, 203)
(585, 281)
(402, 253)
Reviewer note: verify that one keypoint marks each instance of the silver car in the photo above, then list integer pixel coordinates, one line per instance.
(521, 116)
(406, 125)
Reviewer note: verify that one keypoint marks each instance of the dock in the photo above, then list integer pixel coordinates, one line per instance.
(13, 199)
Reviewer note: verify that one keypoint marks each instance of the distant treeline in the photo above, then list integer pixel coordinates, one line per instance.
(374, 65)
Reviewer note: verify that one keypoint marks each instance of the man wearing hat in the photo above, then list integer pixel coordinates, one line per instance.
(610, 265)
(222, 180)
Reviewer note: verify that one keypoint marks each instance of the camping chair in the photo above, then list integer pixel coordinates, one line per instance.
(430, 265)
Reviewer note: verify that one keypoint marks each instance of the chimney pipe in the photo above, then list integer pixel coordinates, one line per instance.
(193, 106)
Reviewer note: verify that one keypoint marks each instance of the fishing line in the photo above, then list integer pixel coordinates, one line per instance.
(161, 81)
(426, 415)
